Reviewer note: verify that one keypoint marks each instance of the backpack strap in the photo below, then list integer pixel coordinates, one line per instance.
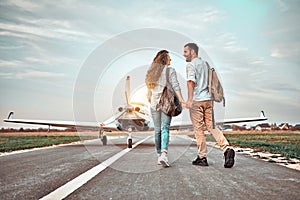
(167, 75)
(210, 93)
(209, 77)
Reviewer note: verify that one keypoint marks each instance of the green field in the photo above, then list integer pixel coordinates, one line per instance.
(12, 143)
(287, 144)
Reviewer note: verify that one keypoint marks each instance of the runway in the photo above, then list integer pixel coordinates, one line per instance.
(136, 175)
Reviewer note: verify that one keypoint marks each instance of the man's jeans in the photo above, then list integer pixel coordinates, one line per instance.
(161, 130)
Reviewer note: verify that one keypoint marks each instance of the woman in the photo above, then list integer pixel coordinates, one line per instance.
(156, 81)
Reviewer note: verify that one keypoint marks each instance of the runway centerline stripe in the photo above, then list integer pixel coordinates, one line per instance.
(79, 181)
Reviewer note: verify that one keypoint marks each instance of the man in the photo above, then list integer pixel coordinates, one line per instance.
(201, 107)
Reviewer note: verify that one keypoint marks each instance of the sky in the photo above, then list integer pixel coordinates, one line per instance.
(46, 45)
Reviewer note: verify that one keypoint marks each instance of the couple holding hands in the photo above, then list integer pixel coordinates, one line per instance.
(199, 103)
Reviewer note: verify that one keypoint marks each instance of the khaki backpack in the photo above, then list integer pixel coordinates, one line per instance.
(214, 86)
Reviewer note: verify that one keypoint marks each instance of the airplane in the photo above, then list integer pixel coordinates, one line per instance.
(134, 116)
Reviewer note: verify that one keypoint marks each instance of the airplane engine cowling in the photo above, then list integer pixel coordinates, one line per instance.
(120, 109)
(137, 109)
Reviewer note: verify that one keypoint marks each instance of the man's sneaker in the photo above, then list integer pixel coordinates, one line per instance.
(164, 160)
(229, 158)
(200, 161)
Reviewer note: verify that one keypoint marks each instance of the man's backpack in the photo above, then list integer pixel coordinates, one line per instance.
(214, 86)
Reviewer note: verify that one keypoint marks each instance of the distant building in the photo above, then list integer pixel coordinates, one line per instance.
(226, 127)
(284, 126)
(238, 128)
(296, 127)
(263, 127)
(274, 127)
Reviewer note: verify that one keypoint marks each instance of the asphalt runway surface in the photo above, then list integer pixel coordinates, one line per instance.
(90, 170)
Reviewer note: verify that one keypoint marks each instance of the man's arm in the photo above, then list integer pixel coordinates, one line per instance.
(190, 86)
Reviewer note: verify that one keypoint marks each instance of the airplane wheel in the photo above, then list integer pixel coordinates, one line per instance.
(104, 140)
(130, 143)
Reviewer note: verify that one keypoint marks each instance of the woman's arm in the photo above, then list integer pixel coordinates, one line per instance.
(175, 84)
(178, 92)
(149, 94)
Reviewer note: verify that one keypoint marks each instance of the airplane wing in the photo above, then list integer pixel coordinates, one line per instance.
(188, 125)
(108, 125)
(239, 120)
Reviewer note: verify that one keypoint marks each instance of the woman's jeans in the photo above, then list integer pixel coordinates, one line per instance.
(161, 123)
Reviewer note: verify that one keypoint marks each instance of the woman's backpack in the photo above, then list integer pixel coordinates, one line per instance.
(169, 102)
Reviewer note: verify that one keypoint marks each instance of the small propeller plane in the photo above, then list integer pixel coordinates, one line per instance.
(134, 116)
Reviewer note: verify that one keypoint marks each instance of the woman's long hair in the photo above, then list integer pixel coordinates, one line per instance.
(156, 68)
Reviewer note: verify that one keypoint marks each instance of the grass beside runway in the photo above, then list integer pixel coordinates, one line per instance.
(12, 143)
(287, 144)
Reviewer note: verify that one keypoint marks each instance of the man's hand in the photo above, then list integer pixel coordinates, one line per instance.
(191, 86)
(189, 104)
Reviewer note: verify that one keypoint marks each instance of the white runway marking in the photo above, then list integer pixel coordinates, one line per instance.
(79, 181)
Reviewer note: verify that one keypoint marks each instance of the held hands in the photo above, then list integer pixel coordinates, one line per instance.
(187, 104)
(183, 104)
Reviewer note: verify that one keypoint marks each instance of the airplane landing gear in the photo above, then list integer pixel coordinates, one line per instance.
(103, 137)
(129, 139)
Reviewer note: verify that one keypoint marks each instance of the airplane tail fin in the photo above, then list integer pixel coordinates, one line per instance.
(11, 115)
(262, 114)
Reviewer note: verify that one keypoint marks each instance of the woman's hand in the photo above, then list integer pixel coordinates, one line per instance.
(183, 104)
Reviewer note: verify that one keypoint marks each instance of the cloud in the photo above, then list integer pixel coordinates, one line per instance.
(29, 74)
(12, 47)
(10, 63)
(282, 5)
(281, 86)
(277, 53)
(38, 74)
(6, 74)
(229, 42)
(260, 60)
(225, 44)
(46, 20)
(286, 50)
(212, 15)
(25, 5)
(50, 31)
(12, 34)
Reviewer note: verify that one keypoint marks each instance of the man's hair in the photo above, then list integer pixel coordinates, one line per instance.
(192, 46)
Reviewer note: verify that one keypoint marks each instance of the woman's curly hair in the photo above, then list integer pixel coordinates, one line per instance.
(156, 68)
